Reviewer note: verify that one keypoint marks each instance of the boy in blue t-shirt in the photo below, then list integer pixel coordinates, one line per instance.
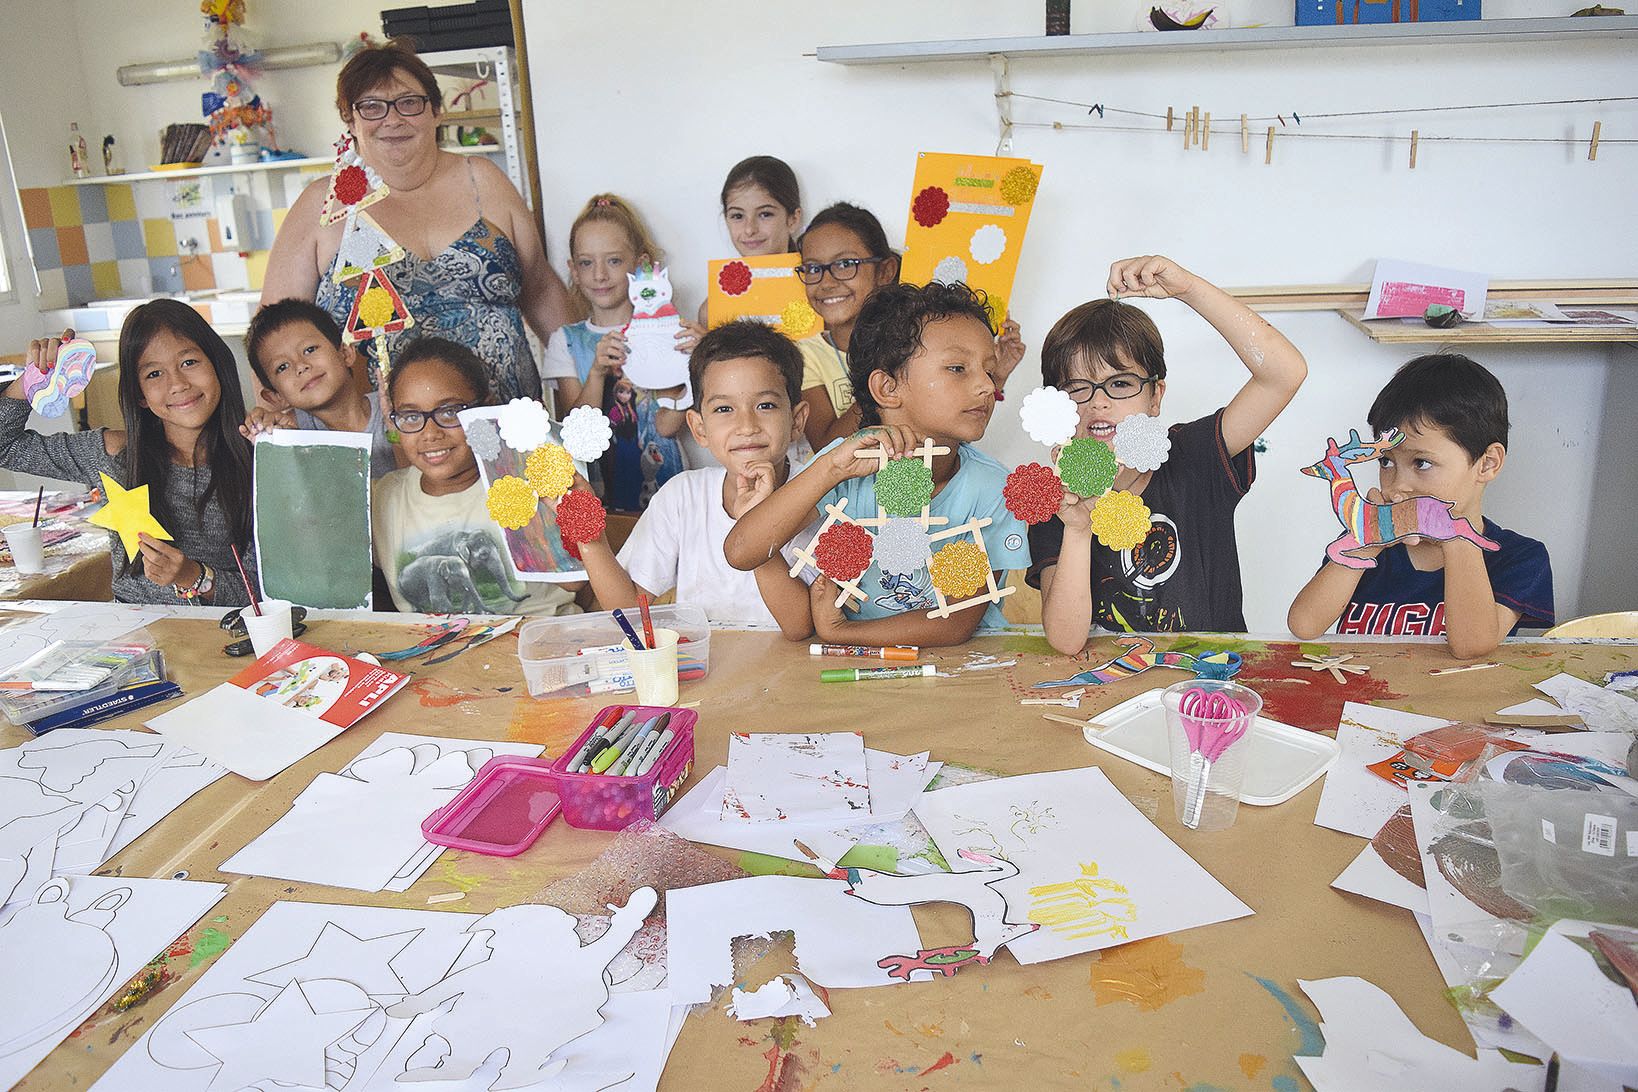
(1453, 414)
(921, 361)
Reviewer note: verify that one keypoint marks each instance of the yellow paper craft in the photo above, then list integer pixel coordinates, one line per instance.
(765, 288)
(967, 219)
(127, 515)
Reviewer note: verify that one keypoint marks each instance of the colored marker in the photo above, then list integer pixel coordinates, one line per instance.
(648, 619)
(612, 753)
(656, 753)
(610, 718)
(630, 752)
(864, 674)
(645, 747)
(631, 634)
(891, 652)
(600, 745)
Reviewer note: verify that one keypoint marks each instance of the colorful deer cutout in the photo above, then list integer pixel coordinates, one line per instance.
(1365, 523)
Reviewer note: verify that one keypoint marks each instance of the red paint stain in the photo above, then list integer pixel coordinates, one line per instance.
(947, 1060)
(784, 1071)
(435, 693)
(1306, 699)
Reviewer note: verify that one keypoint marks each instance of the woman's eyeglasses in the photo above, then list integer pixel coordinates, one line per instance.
(447, 416)
(408, 106)
(1118, 387)
(843, 269)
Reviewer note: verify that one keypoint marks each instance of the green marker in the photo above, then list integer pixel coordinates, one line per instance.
(863, 674)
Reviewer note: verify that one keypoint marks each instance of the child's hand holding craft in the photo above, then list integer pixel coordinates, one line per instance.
(611, 353)
(1150, 275)
(896, 440)
(42, 356)
(689, 336)
(261, 419)
(1076, 513)
(163, 563)
(1009, 352)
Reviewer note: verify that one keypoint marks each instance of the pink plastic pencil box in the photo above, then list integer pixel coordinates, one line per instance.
(513, 800)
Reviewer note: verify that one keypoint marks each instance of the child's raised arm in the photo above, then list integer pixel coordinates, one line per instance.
(69, 456)
(1277, 368)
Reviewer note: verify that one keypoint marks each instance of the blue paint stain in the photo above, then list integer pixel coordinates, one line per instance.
(836, 1068)
(1313, 1040)
(977, 1059)
(1285, 1084)
(1202, 1087)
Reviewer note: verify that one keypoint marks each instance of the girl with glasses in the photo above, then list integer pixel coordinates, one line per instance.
(434, 540)
(1185, 574)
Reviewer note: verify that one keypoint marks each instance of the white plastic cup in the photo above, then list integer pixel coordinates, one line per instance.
(268, 628)
(654, 670)
(1206, 795)
(27, 552)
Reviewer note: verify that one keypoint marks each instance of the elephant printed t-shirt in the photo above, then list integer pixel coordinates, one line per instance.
(444, 555)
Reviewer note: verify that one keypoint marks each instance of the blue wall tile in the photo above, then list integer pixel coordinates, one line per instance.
(43, 241)
(93, 204)
(128, 240)
(80, 286)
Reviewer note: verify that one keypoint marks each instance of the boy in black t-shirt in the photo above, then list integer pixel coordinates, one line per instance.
(1186, 573)
(1453, 414)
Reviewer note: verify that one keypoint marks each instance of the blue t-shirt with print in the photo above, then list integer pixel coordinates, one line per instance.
(974, 492)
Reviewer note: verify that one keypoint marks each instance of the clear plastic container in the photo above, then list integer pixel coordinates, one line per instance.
(1208, 727)
(572, 655)
(605, 802)
(106, 666)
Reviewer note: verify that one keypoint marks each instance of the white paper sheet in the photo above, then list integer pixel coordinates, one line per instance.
(896, 782)
(361, 828)
(1561, 995)
(79, 939)
(1371, 1045)
(796, 777)
(783, 996)
(1602, 710)
(1094, 872)
(1400, 289)
(1369, 875)
(839, 939)
(74, 622)
(256, 739)
(697, 816)
(310, 985)
(1354, 800)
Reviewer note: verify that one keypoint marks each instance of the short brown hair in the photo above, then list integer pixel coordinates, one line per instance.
(1108, 330)
(376, 64)
(738, 340)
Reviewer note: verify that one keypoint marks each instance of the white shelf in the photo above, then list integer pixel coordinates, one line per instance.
(196, 172)
(1494, 31)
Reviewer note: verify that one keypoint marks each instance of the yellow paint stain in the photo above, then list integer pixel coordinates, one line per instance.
(454, 877)
(932, 1031)
(1086, 906)
(546, 724)
(1147, 973)
(1252, 1064)
(1135, 1060)
(888, 1024)
(1039, 993)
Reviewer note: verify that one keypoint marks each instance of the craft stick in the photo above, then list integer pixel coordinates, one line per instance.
(1082, 724)
(1245, 137)
(1464, 667)
(1205, 133)
(1524, 720)
(1415, 135)
(1268, 154)
(1336, 674)
(1592, 149)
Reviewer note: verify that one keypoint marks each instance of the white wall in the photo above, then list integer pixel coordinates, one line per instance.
(697, 88)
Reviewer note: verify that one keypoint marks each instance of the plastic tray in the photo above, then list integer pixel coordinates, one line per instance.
(1283, 760)
(551, 650)
(603, 802)
(503, 810)
(121, 660)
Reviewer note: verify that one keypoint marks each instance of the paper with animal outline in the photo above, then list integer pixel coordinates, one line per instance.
(99, 622)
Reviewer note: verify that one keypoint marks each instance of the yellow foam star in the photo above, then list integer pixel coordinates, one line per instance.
(127, 514)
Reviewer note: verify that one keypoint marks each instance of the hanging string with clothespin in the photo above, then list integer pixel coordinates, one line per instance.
(1592, 149)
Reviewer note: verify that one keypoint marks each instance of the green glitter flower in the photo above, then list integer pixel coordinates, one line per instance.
(1087, 467)
(904, 487)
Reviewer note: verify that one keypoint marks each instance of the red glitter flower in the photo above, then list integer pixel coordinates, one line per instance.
(930, 206)
(580, 518)
(735, 278)
(351, 184)
(843, 551)
(1033, 493)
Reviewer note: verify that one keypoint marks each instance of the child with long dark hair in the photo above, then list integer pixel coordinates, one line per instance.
(180, 397)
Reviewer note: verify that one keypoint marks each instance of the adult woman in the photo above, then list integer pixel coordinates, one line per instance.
(474, 268)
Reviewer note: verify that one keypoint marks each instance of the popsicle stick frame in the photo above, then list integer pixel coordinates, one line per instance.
(992, 593)
(834, 513)
(927, 452)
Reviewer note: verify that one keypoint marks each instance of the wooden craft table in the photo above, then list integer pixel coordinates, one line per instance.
(86, 573)
(1217, 1006)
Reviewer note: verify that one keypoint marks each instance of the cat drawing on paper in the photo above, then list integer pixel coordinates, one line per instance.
(649, 290)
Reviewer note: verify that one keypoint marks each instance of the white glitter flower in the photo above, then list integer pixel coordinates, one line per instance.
(950, 270)
(482, 438)
(902, 546)
(1142, 442)
(1049, 416)
(587, 433)
(988, 243)
(524, 424)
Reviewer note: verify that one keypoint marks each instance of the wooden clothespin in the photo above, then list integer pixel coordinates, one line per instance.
(1245, 137)
(1168, 119)
(1268, 153)
(1592, 149)
(1414, 137)
(1205, 133)
(1188, 129)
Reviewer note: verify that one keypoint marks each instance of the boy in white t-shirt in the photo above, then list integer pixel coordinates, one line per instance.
(747, 382)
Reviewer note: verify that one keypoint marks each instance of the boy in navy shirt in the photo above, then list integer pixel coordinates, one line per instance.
(1453, 414)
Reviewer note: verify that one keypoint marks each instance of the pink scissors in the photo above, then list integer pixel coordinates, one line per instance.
(1213, 721)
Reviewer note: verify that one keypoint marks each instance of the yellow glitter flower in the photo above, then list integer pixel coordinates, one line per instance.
(375, 309)
(959, 569)
(1018, 186)
(1120, 520)
(550, 470)
(997, 306)
(511, 502)
(798, 319)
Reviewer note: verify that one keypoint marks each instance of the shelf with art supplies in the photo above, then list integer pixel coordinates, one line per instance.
(172, 174)
(1488, 31)
(472, 127)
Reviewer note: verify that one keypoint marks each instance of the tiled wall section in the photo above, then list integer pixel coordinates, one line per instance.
(118, 241)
